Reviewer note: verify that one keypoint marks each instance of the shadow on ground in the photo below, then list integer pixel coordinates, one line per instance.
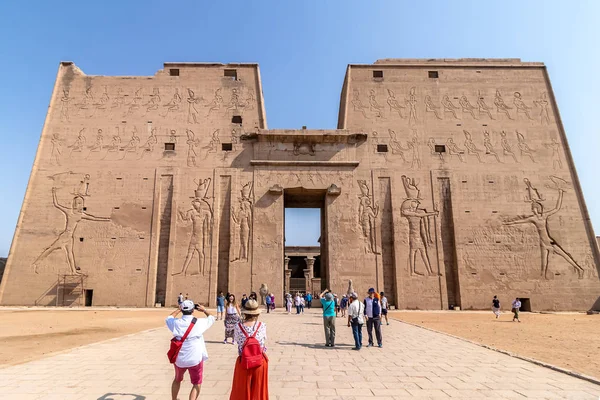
(121, 396)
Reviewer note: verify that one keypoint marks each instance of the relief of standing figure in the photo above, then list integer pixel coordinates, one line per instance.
(367, 215)
(243, 218)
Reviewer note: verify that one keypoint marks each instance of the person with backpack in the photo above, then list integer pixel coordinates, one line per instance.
(328, 317)
(268, 303)
(356, 311)
(188, 350)
(251, 374)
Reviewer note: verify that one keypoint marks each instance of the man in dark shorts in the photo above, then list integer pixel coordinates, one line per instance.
(384, 308)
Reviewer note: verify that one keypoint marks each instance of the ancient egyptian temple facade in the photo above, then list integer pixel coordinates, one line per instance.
(445, 183)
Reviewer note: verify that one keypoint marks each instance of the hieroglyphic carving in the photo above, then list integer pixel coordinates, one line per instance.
(412, 105)
(466, 106)
(501, 106)
(135, 102)
(192, 143)
(87, 102)
(367, 214)
(250, 100)
(419, 226)
(234, 102)
(192, 110)
(431, 107)
(243, 219)
(173, 104)
(79, 144)
(413, 146)
(555, 146)
(216, 103)
(66, 239)
(449, 107)
(454, 150)
(521, 106)
(470, 146)
(524, 147)
(64, 110)
(357, 103)
(489, 147)
(482, 107)
(115, 144)
(148, 147)
(439, 154)
(98, 144)
(213, 145)
(543, 104)
(132, 144)
(102, 104)
(396, 146)
(394, 104)
(154, 101)
(201, 215)
(118, 101)
(506, 147)
(56, 151)
(172, 135)
(374, 105)
(304, 149)
(539, 219)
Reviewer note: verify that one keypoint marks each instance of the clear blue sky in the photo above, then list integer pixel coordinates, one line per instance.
(302, 47)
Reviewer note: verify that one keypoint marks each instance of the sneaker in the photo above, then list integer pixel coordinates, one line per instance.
(225, 341)
(388, 323)
(380, 345)
(370, 345)
(356, 348)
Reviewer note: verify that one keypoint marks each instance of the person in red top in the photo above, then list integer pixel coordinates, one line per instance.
(250, 384)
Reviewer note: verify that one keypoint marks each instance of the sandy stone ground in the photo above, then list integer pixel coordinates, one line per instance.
(567, 340)
(27, 334)
(571, 341)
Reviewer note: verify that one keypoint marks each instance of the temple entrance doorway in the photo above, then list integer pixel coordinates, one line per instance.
(305, 241)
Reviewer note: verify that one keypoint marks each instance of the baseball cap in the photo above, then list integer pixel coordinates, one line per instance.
(371, 290)
(187, 305)
(354, 295)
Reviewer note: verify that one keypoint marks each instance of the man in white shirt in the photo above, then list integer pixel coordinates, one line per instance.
(356, 312)
(297, 303)
(384, 307)
(193, 352)
(516, 304)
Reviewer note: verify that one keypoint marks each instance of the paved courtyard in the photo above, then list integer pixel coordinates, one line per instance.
(414, 362)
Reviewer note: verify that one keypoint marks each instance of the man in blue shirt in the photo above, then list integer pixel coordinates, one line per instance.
(328, 317)
(373, 314)
(308, 300)
(220, 305)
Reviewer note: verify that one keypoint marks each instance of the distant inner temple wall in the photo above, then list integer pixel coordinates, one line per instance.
(446, 182)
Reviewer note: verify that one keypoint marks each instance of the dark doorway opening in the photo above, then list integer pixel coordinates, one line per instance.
(525, 304)
(89, 296)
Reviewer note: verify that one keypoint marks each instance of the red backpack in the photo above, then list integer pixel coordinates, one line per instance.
(252, 352)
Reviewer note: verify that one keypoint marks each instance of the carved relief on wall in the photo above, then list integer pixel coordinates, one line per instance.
(449, 107)
(482, 107)
(375, 107)
(201, 215)
(357, 103)
(193, 100)
(555, 147)
(394, 104)
(192, 143)
(501, 107)
(467, 107)
(367, 215)
(213, 145)
(539, 219)
(173, 105)
(304, 149)
(431, 107)
(411, 101)
(74, 213)
(420, 226)
(524, 147)
(242, 218)
(543, 104)
(470, 146)
(521, 106)
(56, 152)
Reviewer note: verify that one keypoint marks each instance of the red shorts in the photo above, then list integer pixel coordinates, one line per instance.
(195, 373)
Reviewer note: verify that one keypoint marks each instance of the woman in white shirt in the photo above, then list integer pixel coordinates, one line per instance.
(232, 317)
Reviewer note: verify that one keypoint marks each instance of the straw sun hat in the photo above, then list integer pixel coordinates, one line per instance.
(251, 308)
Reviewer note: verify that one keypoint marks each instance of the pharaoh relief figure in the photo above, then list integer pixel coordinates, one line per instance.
(65, 241)
(201, 215)
(242, 217)
(367, 215)
(419, 227)
(539, 219)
